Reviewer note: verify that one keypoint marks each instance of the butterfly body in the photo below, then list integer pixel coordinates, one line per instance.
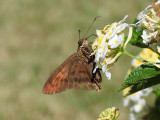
(75, 72)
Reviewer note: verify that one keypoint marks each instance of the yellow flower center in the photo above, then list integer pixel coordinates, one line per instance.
(99, 41)
(140, 107)
(119, 28)
(138, 63)
(110, 33)
(115, 41)
(133, 94)
(158, 66)
(103, 48)
(104, 63)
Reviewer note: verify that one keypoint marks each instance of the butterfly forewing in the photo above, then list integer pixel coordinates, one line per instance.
(59, 78)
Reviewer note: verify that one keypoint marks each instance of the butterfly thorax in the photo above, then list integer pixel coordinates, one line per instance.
(84, 50)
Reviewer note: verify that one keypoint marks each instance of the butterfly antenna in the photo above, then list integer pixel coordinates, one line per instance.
(91, 25)
(79, 31)
(91, 36)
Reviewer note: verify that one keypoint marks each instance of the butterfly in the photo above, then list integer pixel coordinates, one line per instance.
(75, 72)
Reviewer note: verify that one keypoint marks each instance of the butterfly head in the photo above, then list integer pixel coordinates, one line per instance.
(82, 42)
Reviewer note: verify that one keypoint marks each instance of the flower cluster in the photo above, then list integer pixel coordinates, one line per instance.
(148, 55)
(109, 114)
(107, 45)
(138, 103)
(149, 19)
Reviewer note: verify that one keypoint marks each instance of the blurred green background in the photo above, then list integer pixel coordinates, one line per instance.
(36, 36)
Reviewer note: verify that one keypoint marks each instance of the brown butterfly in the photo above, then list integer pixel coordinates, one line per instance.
(75, 72)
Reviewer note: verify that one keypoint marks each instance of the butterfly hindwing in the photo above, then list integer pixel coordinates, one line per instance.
(81, 76)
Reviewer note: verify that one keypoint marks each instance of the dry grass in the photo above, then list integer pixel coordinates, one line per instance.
(35, 37)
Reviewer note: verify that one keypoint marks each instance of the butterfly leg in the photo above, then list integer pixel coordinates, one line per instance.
(98, 86)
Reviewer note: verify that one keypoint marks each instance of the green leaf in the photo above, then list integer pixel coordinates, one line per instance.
(157, 102)
(144, 83)
(157, 93)
(136, 39)
(142, 77)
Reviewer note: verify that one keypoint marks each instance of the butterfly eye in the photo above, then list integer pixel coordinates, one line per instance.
(86, 50)
(79, 43)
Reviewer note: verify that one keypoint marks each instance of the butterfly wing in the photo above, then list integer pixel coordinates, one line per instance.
(81, 77)
(72, 73)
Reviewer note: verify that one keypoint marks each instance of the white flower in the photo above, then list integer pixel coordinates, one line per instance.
(142, 14)
(135, 63)
(105, 49)
(115, 41)
(99, 32)
(131, 116)
(158, 49)
(105, 70)
(141, 17)
(111, 31)
(158, 2)
(139, 106)
(150, 20)
(147, 91)
(108, 75)
(116, 28)
(125, 101)
(98, 54)
(106, 45)
(121, 27)
(148, 55)
(148, 36)
(120, 22)
(135, 97)
(138, 103)
(101, 52)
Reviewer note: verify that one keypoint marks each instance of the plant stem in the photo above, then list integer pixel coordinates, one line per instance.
(132, 56)
(115, 58)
